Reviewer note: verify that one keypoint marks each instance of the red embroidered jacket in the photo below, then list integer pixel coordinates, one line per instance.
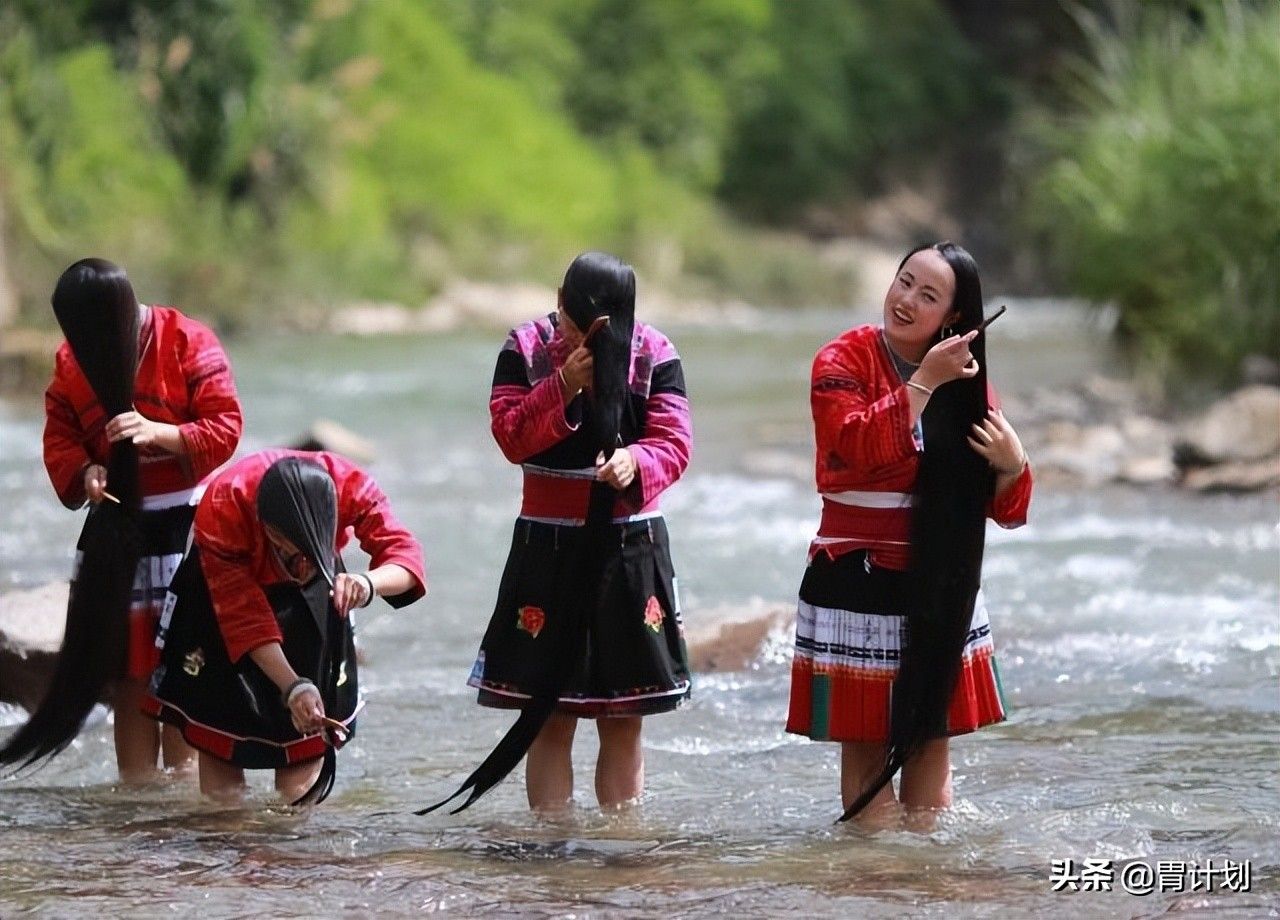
(183, 379)
(867, 456)
(536, 429)
(237, 559)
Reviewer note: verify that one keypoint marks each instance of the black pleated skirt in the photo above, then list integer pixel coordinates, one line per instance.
(622, 595)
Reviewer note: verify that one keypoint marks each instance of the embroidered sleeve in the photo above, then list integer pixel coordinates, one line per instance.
(212, 437)
(364, 507)
(662, 454)
(864, 433)
(244, 616)
(65, 457)
(527, 420)
(1009, 508)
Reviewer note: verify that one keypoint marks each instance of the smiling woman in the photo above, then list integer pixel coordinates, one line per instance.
(258, 668)
(893, 647)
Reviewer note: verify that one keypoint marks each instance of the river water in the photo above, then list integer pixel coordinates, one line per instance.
(1138, 633)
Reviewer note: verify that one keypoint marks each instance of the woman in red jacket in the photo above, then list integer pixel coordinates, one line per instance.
(912, 455)
(258, 667)
(186, 422)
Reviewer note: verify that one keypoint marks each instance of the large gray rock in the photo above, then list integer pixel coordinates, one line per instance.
(31, 625)
(1090, 453)
(1244, 426)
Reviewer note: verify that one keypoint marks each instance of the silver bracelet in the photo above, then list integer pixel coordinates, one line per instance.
(919, 386)
(302, 683)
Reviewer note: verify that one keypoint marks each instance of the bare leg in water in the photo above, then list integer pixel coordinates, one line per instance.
(224, 782)
(179, 756)
(137, 736)
(925, 785)
(620, 767)
(548, 771)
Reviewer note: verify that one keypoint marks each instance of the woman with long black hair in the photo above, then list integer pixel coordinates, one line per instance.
(141, 407)
(591, 403)
(893, 644)
(258, 668)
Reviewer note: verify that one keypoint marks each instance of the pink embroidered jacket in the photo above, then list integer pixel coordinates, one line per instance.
(536, 429)
(867, 456)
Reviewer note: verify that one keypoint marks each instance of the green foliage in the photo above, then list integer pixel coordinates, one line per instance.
(234, 153)
(83, 172)
(772, 104)
(854, 85)
(1164, 194)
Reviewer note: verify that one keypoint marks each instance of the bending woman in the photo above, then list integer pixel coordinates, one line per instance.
(912, 456)
(258, 668)
(587, 622)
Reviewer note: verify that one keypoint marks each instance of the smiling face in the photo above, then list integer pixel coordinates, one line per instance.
(294, 562)
(918, 304)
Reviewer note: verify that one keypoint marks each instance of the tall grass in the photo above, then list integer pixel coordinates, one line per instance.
(1163, 196)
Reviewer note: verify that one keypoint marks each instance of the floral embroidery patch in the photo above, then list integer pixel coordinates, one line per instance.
(653, 615)
(531, 620)
(193, 662)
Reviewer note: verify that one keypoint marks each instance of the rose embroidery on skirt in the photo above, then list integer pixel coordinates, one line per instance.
(653, 615)
(531, 620)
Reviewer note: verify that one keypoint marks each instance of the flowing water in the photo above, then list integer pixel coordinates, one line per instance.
(1138, 635)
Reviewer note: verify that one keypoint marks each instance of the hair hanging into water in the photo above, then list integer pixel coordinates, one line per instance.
(98, 312)
(948, 528)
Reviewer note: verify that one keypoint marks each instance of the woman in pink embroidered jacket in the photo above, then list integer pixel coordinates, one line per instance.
(592, 405)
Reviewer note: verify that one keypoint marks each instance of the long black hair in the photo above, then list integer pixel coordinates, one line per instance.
(596, 284)
(96, 307)
(299, 498)
(948, 527)
(599, 284)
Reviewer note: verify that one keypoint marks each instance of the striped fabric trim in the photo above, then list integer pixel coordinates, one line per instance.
(578, 522)
(864, 499)
(679, 690)
(172, 499)
(585, 472)
(832, 638)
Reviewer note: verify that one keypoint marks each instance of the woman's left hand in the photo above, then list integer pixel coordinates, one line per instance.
(619, 470)
(144, 432)
(997, 442)
(349, 592)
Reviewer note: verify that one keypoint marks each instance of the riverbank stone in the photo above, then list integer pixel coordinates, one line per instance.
(31, 626)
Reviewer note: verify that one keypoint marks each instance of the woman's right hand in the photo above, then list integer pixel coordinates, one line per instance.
(307, 710)
(95, 482)
(576, 372)
(949, 360)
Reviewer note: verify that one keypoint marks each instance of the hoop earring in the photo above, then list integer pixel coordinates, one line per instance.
(948, 331)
